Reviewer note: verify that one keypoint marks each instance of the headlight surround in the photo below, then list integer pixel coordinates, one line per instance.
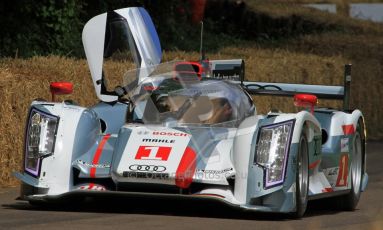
(272, 151)
(40, 139)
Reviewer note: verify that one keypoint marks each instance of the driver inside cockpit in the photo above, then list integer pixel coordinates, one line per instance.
(202, 109)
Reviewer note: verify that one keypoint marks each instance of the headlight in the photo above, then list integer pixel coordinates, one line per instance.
(272, 151)
(40, 139)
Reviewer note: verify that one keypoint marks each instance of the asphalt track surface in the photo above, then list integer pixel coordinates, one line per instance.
(165, 214)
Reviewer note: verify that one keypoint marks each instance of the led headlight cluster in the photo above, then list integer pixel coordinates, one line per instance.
(39, 140)
(272, 151)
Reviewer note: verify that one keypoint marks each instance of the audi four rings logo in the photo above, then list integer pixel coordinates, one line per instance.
(147, 168)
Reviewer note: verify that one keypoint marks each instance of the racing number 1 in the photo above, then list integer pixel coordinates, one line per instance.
(153, 153)
(343, 171)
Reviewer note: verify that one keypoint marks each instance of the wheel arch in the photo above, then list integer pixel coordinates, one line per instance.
(357, 119)
(306, 123)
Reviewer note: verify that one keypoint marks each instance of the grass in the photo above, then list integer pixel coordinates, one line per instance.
(314, 57)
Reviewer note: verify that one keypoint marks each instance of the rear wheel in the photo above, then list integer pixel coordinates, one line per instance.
(302, 178)
(350, 201)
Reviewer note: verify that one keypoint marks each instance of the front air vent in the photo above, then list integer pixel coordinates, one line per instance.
(324, 136)
(103, 125)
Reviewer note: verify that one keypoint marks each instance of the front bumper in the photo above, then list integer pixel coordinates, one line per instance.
(32, 190)
(145, 196)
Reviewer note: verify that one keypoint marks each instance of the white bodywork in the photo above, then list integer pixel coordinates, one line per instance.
(110, 143)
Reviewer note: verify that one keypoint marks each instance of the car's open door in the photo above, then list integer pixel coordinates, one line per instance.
(128, 29)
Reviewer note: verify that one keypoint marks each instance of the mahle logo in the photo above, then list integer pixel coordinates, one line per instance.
(158, 140)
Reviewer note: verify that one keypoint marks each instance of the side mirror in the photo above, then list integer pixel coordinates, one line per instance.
(60, 88)
(306, 100)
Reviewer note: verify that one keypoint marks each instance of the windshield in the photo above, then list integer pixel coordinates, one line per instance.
(176, 95)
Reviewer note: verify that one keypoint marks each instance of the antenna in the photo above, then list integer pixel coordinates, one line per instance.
(347, 87)
(201, 45)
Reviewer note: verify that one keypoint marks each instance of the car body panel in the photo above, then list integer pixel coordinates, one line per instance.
(145, 45)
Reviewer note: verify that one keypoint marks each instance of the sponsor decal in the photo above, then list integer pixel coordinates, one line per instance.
(144, 175)
(215, 171)
(90, 165)
(344, 142)
(92, 187)
(160, 153)
(158, 140)
(333, 171)
(147, 168)
(343, 171)
(175, 134)
(331, 175)
(211, 174)
(225, 74)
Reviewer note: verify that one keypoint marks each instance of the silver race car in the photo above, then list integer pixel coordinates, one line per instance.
(189, 130)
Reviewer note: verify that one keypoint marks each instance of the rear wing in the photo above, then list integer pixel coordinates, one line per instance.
(321, 91)
(235, 70)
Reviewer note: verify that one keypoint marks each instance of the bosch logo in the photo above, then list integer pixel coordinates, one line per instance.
(147, 168)
(170, 134)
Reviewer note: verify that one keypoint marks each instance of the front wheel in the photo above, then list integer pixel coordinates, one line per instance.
(302, 178)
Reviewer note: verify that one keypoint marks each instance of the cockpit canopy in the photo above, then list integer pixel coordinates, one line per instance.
(168, 98)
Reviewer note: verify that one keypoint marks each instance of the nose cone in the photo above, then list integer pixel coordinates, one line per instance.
(154, 156)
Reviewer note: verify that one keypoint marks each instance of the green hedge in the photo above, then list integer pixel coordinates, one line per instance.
(54, 26)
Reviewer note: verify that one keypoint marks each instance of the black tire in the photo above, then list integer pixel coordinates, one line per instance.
(302, 178)
(350, 201)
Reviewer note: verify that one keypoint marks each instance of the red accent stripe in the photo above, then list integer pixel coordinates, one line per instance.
(97, 155)
(327, 190)
(186, 169)
(348, 129)
(150, 88)
(314, 164)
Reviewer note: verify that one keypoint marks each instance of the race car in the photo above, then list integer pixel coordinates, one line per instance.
(189, 130)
